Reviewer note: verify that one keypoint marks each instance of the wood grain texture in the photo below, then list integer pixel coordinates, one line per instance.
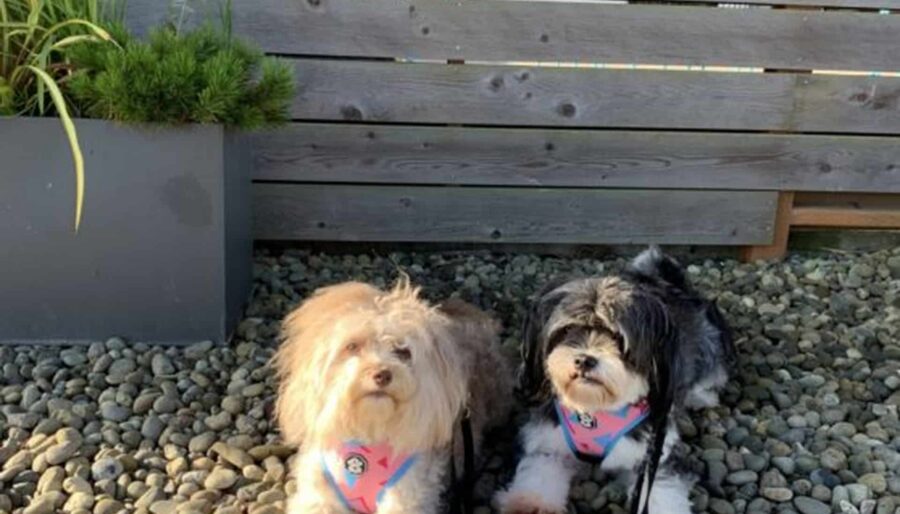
(505, 95)
(848, 104)
(836, 217)
(512, 95)
(498, 215)
(844, 4)
(572, 32)
(349, 153)
(782, 230)
(882, 201)
(847, 210)
(143, 15)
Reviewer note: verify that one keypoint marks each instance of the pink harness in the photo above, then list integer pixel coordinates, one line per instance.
(593, 436)
(360, 474)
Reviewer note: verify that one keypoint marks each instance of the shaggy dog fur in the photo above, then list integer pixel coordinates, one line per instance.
(442, 361)
(603, 343)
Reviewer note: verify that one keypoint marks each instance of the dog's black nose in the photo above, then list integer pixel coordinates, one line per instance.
(383, 378)
(585, 363)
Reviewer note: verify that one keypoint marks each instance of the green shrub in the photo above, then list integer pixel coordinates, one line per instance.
(204, 76)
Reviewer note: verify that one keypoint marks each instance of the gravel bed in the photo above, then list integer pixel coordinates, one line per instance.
(810, 424)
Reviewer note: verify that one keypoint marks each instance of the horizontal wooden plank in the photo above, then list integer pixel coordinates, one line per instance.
(512, 95)
(743, 4)
(576, 158)
(884, 201)
(523, 215)
(441, 93)
(141, 16)
(843, 4)
(573, 32)
(847, 104)
(844, 218)
(847, 210)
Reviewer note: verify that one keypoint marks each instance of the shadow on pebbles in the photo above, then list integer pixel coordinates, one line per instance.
(809, 425)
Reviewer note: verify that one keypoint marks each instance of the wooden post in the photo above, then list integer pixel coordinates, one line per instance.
(778, 248)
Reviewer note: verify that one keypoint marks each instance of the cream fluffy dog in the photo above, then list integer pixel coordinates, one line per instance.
(376, 381)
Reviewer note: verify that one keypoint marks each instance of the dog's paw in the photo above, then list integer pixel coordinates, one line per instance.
(513, 502)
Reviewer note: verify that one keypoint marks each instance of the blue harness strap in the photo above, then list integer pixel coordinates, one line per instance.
(592, 436)
(360, 474)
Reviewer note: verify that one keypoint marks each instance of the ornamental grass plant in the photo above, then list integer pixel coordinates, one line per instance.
(35, 39)
(75, 58)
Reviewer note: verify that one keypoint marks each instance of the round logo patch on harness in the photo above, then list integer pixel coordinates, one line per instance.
(591, 436)
(356, 464)
(586, 420)
(360, 474)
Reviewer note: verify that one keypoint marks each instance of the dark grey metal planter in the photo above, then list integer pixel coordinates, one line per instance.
(164, 250)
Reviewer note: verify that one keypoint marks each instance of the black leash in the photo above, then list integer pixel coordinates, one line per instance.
(660, 427)
(649, 469)
(468, 465)
(461, 502)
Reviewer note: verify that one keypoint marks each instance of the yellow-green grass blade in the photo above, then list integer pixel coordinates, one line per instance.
(71, 40)
(96, 29)
(69, 127)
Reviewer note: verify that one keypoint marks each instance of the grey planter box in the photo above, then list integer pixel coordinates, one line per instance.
(164, 250)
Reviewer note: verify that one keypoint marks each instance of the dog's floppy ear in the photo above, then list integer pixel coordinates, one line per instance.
(650, 336)
(300, 354)
(652, 342)
(533, 385)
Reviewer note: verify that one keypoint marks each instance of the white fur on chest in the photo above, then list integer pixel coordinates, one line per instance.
(547, 437)
(545, 472)
(625, 455)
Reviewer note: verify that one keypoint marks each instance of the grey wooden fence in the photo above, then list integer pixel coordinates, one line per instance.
(513, 121)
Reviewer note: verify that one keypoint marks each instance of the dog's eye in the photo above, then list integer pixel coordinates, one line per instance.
(352, 347)
(403, 353)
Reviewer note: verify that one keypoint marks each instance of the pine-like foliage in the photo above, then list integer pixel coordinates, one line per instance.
(204, 76)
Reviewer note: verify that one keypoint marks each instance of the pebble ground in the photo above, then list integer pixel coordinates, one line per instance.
(809, 425)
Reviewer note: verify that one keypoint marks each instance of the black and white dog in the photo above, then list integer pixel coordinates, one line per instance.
(607, 362)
